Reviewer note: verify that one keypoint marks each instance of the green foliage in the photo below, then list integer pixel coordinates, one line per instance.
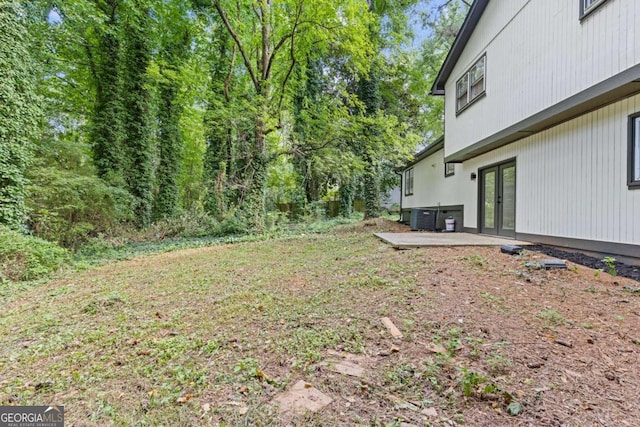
(138, 143)
(107, 130)
(610, 263)
(174, 40)
(470, 381)
(70, 208)
(552, 317)
(443, 24)
(25, 258)
(19, 112)
(347, 195)
(514, 408)
(170, 149)
(190, 180)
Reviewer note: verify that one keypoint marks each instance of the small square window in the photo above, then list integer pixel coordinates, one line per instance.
(633, 157)
(408, 182)
(449, 169)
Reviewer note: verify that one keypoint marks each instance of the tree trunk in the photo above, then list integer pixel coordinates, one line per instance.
(170, 149)
(253, 208)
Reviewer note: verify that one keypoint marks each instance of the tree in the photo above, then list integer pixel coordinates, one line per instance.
(138, 143)
(390, 31)
(442, 21)
(174, 42)
(108, 116)
(19, 112)
(270, 37)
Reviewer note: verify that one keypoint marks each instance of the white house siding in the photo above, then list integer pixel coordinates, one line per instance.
(538, 54)
(430, 187)
(570, 179)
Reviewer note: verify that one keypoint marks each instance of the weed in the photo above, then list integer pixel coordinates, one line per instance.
(475, 259)
(453, 340)
(610, 263)
(104, 303)
(470, 381)
(498, 364)
(474, 347)
(405, 377)
(371, 282)
(552, 317)
(488, 296)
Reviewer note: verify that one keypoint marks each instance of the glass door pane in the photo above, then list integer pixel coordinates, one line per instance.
(489, 200)
(508, 198)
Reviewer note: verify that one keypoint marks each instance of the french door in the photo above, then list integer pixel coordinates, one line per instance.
(497, 209)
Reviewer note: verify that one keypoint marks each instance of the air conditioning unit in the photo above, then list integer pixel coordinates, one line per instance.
(423, 219)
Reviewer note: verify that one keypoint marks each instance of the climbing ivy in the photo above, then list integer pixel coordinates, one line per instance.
(19, 112)
(138, 142)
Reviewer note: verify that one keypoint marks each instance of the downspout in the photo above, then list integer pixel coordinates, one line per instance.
(401, 195)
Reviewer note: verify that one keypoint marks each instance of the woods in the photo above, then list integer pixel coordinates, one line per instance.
(117, 115)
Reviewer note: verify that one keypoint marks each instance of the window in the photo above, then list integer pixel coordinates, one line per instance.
(449, 169)
(408, 182)
(471, 85)
(588, 6)
(633, 179)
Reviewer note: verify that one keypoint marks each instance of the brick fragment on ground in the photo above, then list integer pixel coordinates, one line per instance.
(395, 332)
(302, 397)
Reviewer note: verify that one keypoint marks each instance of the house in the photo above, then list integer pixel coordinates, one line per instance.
(542, 125)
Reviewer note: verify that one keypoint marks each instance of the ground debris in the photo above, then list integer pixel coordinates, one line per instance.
(562, 342)
(395, 332)
(302, 397)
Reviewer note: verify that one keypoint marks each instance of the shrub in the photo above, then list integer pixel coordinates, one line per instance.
(70, 209)
(25, 257)
(231, 226)
(187, 225)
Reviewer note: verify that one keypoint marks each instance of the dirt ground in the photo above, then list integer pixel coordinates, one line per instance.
(217, 336)
(575, 362)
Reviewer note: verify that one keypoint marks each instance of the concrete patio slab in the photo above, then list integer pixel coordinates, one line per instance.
(421, 239)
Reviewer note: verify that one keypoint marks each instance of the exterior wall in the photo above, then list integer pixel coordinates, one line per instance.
(538, 54)
(430, 187)
(571, 180)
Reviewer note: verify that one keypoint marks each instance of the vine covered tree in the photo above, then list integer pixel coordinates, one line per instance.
(138, 143)
(19, 112)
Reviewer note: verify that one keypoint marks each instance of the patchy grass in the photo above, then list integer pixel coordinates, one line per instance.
(209, 336)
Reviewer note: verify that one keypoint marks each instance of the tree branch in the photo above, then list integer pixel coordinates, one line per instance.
(279, 45)
(227, 81)
(293, 57)
(238, 43)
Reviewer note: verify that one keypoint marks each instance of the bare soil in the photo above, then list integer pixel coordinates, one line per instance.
(213, 336)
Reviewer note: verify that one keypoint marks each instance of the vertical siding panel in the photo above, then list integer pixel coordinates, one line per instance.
(632, 36)
(616, 163)
(600, 182)
(608, 146)
(569, 154)
(589, 159)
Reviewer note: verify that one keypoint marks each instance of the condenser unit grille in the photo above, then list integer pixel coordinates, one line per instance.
(423, 219)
